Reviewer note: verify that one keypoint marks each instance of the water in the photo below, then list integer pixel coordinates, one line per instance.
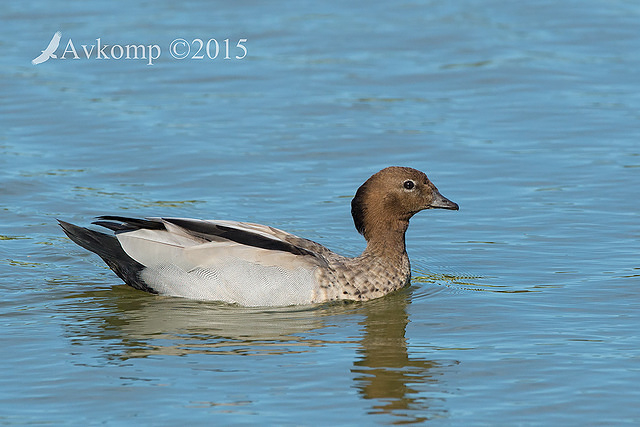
(524, 304)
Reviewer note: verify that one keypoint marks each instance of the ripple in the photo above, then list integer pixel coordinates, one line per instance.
(464, 282)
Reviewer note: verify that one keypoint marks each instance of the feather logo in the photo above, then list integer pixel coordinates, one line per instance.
(49, 50)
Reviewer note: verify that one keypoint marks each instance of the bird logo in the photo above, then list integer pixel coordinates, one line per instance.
(49, 51)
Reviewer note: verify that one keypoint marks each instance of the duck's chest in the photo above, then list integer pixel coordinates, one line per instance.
(361, 278)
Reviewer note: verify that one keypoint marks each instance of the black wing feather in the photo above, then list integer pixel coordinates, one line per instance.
(205, 230)
(129, 224)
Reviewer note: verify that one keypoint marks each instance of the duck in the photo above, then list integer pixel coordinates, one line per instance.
(254, 265)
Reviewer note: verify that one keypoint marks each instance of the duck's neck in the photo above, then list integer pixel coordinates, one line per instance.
(387, 240)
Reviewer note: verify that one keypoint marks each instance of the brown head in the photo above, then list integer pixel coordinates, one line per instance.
(384, 204)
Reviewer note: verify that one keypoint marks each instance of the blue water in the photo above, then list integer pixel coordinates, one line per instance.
(524, 304)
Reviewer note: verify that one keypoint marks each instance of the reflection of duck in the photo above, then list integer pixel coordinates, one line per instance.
(144, 326)
(393, 382)
(385, 373)
(256, 265)
(48, 52)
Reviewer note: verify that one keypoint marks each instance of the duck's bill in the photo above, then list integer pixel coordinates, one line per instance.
(441, 202)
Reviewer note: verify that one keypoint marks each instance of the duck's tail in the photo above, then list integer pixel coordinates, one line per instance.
(109, 249)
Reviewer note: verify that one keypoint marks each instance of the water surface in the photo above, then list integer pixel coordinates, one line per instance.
(524, 305)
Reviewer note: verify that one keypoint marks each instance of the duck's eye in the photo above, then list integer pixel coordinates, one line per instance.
(408, 184)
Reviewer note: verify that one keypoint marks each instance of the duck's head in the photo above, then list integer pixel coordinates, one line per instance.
(387, 200)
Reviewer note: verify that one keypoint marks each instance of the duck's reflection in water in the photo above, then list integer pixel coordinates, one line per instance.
(138, 325)
(385, 374)
(144, 325)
